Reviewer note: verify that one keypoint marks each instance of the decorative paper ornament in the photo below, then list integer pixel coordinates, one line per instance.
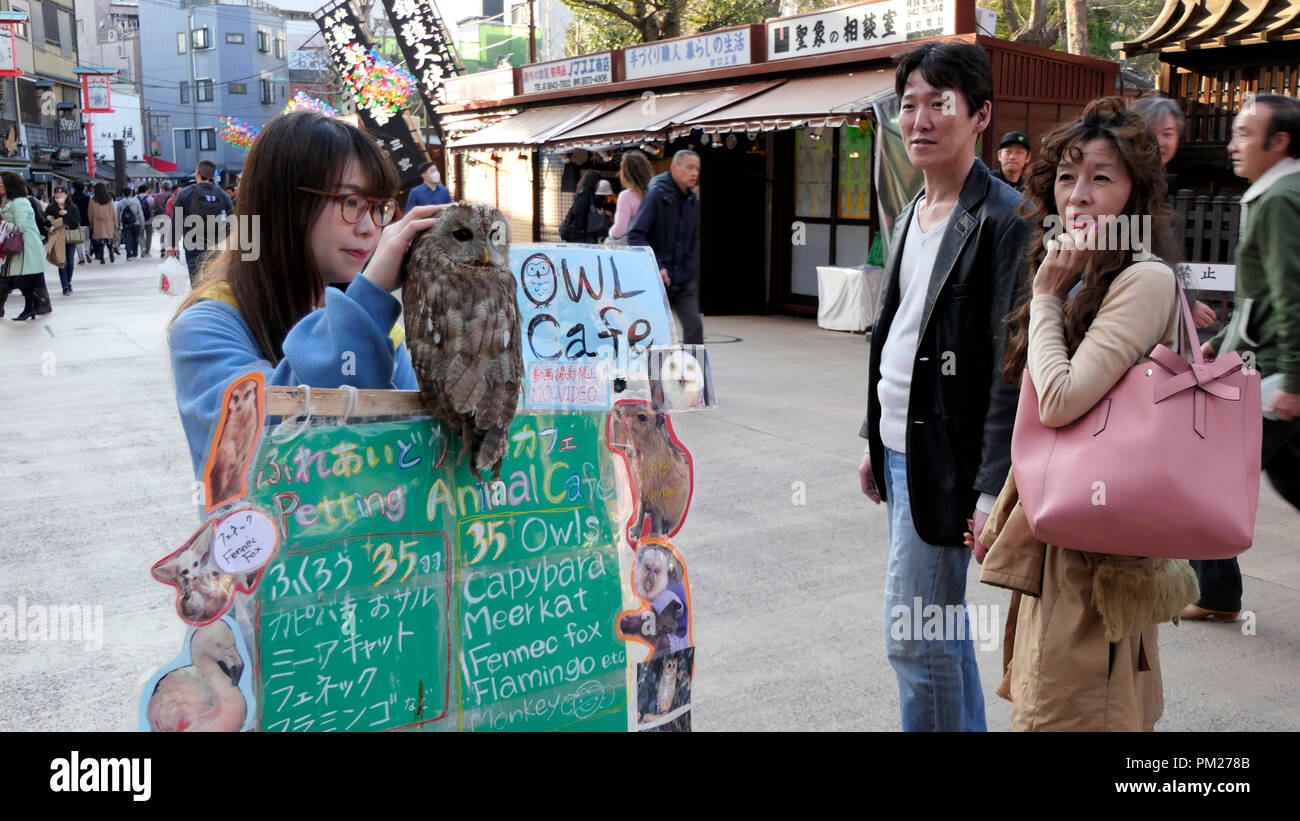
(302, 102)
(238, 133)
(379, 85)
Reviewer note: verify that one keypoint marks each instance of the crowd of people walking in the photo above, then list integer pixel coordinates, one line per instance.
(87, 224)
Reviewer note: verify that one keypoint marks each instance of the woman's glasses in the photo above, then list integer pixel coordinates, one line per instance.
(382, 211)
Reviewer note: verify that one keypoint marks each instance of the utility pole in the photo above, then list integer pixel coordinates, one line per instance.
(532, 32)
(194, 92)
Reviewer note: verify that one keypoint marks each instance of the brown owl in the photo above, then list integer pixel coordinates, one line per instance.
(462, 327)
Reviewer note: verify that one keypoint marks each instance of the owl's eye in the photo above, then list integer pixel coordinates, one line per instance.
(463, 234)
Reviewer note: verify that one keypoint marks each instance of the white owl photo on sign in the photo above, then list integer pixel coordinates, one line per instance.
(462, 327)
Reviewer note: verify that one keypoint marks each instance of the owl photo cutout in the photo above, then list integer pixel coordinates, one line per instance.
(659, 468)
(659, 579)
(663, 692)
(207, 688)
(680, 378)
(204, 592)
(462, 328)
(243, 408)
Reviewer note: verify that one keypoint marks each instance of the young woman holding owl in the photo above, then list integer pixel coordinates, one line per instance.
(323, 195)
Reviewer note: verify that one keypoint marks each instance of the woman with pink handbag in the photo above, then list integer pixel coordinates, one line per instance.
(1081, 651)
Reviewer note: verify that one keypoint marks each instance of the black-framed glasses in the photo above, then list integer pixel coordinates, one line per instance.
(382, 211)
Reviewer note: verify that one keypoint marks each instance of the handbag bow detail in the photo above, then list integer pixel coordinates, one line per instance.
(1201, 377)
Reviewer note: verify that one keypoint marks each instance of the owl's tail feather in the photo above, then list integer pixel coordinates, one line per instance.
(492, 451)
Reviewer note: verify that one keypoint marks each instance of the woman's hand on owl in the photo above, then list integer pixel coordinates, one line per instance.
(385, 265)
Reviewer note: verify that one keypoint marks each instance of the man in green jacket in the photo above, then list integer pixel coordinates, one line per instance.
(1265, 328)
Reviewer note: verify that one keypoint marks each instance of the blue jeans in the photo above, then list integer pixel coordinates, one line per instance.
(65, 273)
(938, 681)
(130, 238)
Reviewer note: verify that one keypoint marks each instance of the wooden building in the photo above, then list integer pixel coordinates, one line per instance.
(1213, 53)
(795, 123)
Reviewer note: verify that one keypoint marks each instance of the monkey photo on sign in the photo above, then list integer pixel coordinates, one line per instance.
(462, 328)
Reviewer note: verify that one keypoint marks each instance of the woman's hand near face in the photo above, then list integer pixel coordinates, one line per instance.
(1063, 264)
(384, 267)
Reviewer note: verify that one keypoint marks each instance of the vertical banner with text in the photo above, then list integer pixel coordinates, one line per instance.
(427, 49)
(347, 39)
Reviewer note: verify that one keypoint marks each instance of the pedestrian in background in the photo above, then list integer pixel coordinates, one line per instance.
(1265, 150)
(429, 192)
(634, 175)
(1165, 119)
(103, 223)
(81, 199)
(666, 221)
(130, 217)
(24, 270)
(64, 218)
(204, 207)
(585, 221)
(146, 226)
(1013, 159)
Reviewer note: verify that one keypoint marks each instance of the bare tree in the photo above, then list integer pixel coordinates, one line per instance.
(1076, 27)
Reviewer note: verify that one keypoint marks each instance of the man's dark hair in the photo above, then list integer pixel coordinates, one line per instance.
(424, 166)
(207, 170)
(143, 189)
(1285, 119)
(951, 64)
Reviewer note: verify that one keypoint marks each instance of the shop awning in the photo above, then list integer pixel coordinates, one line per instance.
(651, 115)
(534, 126)
(832, 101)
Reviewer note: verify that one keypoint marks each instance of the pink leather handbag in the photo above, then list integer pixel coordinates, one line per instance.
(1166, 465)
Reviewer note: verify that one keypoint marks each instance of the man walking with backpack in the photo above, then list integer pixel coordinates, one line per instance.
(146, 226)
(205, 206)
(131, 217)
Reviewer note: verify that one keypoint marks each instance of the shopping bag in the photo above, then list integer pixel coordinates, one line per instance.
(173, 277)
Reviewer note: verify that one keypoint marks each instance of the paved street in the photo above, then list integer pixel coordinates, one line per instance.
(788, 598)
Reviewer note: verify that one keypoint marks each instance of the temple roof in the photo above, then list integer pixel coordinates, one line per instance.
(1187, 25)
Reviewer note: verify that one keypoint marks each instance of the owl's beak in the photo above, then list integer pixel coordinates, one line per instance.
(486, 258)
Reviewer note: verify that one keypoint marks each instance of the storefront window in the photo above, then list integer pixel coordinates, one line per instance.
(832, 176)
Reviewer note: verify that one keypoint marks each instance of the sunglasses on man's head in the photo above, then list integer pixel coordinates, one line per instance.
(382, 211)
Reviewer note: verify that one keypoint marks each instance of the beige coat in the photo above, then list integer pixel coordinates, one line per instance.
(103, 220)
(1081, 651)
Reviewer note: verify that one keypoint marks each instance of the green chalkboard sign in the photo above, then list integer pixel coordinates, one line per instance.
(408, 594)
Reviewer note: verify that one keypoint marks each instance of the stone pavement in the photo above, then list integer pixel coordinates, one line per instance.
(788, 596)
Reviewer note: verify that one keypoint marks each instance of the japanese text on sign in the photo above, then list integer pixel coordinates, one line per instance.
(714, 50)
(561, 74)
(867, 24)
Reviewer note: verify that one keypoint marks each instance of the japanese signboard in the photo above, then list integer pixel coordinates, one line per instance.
(576, 72)
(588, 313)
(716, 49)
(96, 94)
(410, 594)
(866, 24)
(8, 57)
(345, 36)
(479, 87)
(426, 48)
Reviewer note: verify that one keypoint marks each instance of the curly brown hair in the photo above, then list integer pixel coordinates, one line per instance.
(1105, 118)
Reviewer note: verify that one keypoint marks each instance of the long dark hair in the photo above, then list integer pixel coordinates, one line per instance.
(15, 188)
(590, 179)
(1104, 118)
(101, 194)
(283, 284)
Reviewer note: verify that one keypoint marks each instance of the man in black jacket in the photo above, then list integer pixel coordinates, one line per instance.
(939, 416)
(666, 222)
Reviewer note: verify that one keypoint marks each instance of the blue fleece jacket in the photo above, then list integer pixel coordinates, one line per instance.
(211, 345)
